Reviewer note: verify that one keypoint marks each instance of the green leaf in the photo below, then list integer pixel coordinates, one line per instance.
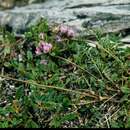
(20, 92)
(125, 89)
(4, 124)
(31, 124)
(128, 123)
(16, 122)
(69, 117)
(56, 122)
(7, 50)
(21, 68)
(29, 55)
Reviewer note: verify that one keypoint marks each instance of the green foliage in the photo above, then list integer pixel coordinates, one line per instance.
(79, 87)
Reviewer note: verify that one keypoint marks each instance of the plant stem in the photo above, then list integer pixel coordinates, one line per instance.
(47, 86)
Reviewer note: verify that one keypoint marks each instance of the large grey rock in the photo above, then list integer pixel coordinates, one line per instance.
(8, 4)
(106, 15)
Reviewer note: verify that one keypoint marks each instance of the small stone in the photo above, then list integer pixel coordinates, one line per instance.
(1, 79)
(12, 86)
(126, 40)
(20, 58)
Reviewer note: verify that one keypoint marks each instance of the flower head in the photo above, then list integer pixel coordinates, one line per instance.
(47, 47)
(42, 44)
(44, 47)
(63, 29)
(70, 33)
(38, 51)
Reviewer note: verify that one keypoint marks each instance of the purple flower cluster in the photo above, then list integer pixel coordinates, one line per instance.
(43, 47)
(65, 30)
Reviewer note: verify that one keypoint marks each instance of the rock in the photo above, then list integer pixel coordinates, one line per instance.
(126, 40)
(82, 15)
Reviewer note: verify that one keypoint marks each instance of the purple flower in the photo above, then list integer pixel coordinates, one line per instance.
(41, 44)
(63, 29)
(47, 47)
(38, 51)
(43, 47)
(43, 62)
(70, 33)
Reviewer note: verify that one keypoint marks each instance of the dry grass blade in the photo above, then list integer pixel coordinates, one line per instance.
(52, 87)
(76, 66)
